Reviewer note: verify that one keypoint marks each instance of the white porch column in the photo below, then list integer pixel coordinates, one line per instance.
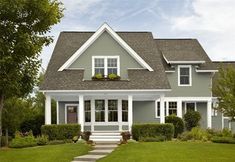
(92, 114)
(179, 108)
(81, 112)
(162, 109)
(209, 113)
(57, 112)
(48, 109)
(130, 111)
(120, 114)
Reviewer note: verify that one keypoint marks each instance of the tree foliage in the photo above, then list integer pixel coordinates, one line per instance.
(224, 89)
(23, 28)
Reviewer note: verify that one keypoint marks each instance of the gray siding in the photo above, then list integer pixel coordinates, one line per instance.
(144, 112)
(105, 45)
(217, 121)
(202, 109)
(201, 85)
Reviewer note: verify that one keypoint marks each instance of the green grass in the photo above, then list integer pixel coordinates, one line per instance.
(172, 152)
(49, 153)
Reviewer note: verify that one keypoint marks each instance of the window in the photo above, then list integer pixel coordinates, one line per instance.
(99, 66)
(190, 106)
(124, 110)
(172, 108)
(184, 75)
(87, 111)
(112, 110)
(99, 110)
(158, 109)
(214, 109)
(105, 65)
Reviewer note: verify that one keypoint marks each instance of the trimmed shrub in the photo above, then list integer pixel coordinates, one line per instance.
(229, 140)
(42, 140)
(177, 122)
(224, 133)
(126, 136)
(23, 141)
(153, 139)
(152, 130)
(86, 135)
(192, 119)
(61, 132)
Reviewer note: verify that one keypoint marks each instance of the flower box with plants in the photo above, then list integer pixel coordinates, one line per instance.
(110, 77)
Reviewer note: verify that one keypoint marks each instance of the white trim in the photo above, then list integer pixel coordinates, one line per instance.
(185, 99)
(169, 71)
(96, 35)
(190, 75)
(81, 112)
(47, 109)
(162, 109)
(57, 112)
(135, 68)
(209, 114)
(182, 62)
(105, 64)
(185, 106)
(206, 71)
(66, 111)
(179, 108)
(76, 69)
(110, 90)
(130, 111)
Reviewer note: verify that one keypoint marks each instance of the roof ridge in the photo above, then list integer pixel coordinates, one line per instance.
(174, 38)
(115, 31)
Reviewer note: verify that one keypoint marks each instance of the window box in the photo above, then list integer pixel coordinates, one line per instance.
(110, 77)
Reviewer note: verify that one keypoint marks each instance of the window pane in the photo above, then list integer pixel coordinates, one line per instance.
(112, 110)
(184, 80)
(158, 108)
(87, 105)
(99, 71)
(125, 116)
(124, 110)
(87, 116)
(172, 108)
(113, 116)
(112, 71)
(72, 109)
(99, 111)
(112, 104)
(124, 105)
(99, 62)
(184, 71)
(112, 62)
(190, 106)
(87, 111)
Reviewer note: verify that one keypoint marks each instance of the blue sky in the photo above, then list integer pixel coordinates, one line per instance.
(212, 22)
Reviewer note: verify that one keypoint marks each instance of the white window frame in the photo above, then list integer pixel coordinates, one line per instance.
(190, 75)
(87, 111)
(176, 108)
(66, 111)
(185, 106)
(105, 63)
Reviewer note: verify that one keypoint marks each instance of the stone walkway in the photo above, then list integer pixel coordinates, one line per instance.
(101, 149)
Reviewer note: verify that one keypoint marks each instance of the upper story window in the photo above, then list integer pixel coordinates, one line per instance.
(184, 75)
(105, 65)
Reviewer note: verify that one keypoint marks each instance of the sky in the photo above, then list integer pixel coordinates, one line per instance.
(212, 22)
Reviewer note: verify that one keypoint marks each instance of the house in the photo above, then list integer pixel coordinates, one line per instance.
(158, 77)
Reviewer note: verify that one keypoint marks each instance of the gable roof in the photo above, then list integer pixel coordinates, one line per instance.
(141, 42)
(93, 38)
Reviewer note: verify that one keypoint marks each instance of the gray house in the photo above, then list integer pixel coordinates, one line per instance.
(158, 77)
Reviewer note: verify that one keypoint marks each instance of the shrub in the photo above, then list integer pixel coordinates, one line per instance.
(86, 135)
(61, 132)
(177, 122)
(23, 141)
(33, 124)
(195, 134)
(153, 139)
(191, 119)
(113, 77)
(56, 142)
(152, 130)
(42, 140)
(126, 136)
(98, 76)
(229, 140)
(224, 133)
(185, 136)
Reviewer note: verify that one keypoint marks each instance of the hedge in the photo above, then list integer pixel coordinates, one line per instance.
(62, 131)
(152, 130)
(229, 140)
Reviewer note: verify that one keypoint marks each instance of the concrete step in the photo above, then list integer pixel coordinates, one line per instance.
(105, 137)
(105, 147)
(106, 143)
(105, 133)
(100, 152)
(88, 157)
(106, 140)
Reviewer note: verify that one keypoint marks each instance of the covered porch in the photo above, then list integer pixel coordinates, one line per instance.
(101, 110)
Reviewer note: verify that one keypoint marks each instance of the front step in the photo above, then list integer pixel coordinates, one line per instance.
(106, 136)
(88, 157)
(105, 147)
(100, 152)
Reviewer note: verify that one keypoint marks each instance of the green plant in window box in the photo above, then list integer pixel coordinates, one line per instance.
(98, 76)
(113, 77)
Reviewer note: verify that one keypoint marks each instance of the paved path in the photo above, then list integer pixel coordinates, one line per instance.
(101, 149)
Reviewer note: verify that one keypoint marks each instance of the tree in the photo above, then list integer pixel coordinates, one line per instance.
(224, 89)
(23, 28)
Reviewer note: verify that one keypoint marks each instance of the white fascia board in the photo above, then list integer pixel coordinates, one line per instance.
(186, 62)
(206, 71)
(116, 37)
(110, 90)
(170, 71)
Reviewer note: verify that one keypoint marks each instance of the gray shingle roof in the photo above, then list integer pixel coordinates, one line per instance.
(184, 50)
(69, 42)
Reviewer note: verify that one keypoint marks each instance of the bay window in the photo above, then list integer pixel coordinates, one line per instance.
(112, 110)
(87, 111)
(99, 110)
(124, 110)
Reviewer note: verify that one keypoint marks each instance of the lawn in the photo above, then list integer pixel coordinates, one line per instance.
(49, 153)
(173, 152)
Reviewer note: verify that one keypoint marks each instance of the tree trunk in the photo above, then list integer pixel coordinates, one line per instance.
(1, 107)
(7, 142)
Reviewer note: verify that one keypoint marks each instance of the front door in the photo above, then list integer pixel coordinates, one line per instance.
(72, 116)
(190, 106)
